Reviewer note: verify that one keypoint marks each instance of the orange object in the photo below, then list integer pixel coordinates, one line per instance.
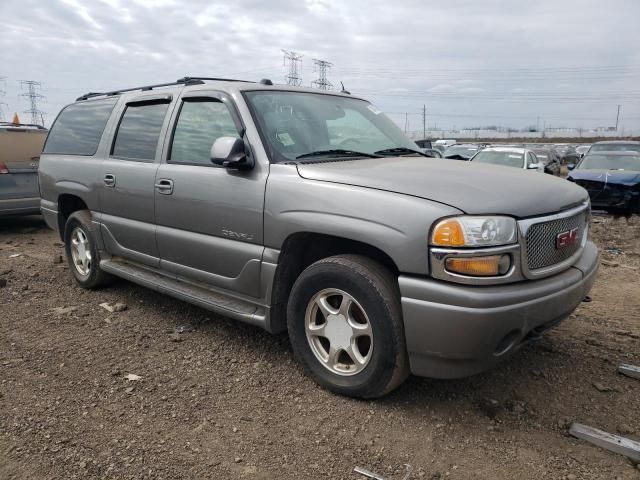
(448, 233)
(16, 119)
(475, 266)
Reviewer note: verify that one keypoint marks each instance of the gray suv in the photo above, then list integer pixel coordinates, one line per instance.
(310, 212)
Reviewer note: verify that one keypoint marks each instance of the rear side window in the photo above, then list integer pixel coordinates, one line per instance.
(200, 124)
(139, 131)
(78, 129)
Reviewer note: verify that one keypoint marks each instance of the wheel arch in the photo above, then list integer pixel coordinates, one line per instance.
(301, 249)
(67, 204)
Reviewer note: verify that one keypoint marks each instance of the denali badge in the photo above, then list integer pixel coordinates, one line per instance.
(566, 239)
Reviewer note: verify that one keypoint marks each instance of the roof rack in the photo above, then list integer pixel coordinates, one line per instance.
(180, 81)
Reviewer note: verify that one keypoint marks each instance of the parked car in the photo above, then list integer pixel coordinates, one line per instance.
(444, 143)
(432, 152)
(310, 212)
(462, 151)
(425, 144)
(615, 146)
(509, 157)
(581, 150)
(20, 147)
(550, 159)
(612, 180)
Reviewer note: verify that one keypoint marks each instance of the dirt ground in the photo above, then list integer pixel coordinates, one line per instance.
(224, 400)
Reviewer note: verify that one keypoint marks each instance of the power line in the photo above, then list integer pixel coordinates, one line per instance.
(294, 61)
(37, 115)
(322, 82)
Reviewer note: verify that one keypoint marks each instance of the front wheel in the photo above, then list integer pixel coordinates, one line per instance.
(345, 324)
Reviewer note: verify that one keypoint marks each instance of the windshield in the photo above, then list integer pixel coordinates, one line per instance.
(610, 162)
(615, 147)
(296, 124)
(465, 151)
(508, 159)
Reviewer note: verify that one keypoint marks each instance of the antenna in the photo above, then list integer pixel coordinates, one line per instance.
(322, 82)
(294, 60)
(37, 115)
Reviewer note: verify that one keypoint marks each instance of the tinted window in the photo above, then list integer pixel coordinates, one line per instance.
(139, 131)
(199, 124)
(78, 129)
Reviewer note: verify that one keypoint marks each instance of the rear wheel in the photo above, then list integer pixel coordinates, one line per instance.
(82, 252)
(345, 325)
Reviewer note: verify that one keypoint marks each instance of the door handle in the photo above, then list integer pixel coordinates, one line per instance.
(110, 180)
(164, 186)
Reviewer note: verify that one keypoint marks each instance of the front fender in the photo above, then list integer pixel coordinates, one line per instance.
(394, 223)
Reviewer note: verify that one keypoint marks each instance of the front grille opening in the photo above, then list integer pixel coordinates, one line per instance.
(541, 241)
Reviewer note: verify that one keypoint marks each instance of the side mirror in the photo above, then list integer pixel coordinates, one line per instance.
(229, 152)
(571, 166)
(533, 166)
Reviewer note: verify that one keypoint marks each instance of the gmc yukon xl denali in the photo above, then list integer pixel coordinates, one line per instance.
(310, 212)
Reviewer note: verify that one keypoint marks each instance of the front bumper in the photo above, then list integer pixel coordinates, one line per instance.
(20, 206)
(458, 330)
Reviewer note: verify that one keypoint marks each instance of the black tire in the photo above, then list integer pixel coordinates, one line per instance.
(81, 220)
(375, 289)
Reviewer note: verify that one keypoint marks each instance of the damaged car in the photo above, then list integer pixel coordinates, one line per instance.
(612, 180)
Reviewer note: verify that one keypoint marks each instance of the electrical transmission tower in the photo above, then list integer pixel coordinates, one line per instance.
(37, 115)
(322, 82)
(294, 61)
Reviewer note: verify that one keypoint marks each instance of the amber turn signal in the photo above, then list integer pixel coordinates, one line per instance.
(490, 266)
(448, 233)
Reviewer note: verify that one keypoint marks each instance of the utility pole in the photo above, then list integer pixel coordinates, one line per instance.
(618, 117)
(424, 122)
(294, 61)
(37, 115)
(322, 83)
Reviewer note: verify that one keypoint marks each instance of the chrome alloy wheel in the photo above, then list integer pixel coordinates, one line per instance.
(339, 332)
(80, 251)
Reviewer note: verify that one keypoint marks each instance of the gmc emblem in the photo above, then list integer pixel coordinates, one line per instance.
(566, 239)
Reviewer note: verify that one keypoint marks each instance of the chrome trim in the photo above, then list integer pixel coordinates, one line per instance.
(523, 229)
(439, 257)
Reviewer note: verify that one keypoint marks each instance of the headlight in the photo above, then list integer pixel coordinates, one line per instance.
(472, 231)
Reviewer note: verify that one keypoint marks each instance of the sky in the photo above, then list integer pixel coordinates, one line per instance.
(566, 63)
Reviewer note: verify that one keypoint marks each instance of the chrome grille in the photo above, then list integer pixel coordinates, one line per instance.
(541, 240)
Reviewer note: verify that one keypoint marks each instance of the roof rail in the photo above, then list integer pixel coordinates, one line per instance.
(192, 79)
(180, 81)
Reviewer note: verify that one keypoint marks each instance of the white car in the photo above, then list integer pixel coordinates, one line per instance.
(509, 157)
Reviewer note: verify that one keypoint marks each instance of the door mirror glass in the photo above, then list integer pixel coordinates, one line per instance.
(230, 152)
(533, 166)
(571, 166)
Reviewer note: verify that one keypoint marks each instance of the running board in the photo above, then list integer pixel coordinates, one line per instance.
(196, 294)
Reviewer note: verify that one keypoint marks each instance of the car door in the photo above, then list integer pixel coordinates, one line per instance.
(209, 218)
(128, 176)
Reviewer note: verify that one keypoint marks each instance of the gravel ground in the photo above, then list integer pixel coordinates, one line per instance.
(218, 399)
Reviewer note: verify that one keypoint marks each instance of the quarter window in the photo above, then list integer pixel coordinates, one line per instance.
(200, 123)
(139, 131)
(79, 127)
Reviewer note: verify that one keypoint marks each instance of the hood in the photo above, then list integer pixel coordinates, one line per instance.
(471, 187)
(617, 177)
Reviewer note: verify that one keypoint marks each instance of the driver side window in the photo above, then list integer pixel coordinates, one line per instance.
(200, 123)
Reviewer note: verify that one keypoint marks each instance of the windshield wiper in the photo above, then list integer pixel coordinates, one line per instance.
(337, 152)
(399, 151)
